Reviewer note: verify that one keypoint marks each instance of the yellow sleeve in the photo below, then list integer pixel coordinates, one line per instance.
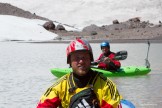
(53, 96)
(110, 94)
(49, 94)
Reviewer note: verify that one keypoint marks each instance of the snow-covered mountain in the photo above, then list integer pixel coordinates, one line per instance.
(80, 13)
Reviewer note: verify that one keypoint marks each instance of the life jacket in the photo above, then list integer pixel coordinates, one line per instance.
(85, 98)
(113, 65)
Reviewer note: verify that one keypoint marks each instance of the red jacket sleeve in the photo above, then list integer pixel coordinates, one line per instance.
(49, 103)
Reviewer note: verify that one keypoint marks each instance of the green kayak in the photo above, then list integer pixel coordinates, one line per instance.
(123, 71)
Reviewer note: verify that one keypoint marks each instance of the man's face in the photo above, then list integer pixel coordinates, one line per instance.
(80, 62)
(105, 50)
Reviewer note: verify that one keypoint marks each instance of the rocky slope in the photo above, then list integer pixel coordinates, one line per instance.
(7, 9)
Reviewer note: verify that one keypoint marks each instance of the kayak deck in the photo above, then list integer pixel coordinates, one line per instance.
(123, 71)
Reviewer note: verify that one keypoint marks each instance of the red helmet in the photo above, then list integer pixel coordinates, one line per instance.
(78, 45)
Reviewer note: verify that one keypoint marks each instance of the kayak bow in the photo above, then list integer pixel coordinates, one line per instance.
(123, 71)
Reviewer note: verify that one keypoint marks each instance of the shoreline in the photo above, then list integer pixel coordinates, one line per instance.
(98, 41)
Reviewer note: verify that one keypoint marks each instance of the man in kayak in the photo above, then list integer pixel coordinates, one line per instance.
(106, 59)
(83, 87)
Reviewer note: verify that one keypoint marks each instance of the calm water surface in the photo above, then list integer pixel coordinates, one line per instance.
(25, 73)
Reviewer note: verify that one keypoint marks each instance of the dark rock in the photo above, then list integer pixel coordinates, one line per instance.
(49, 25)
(115, 22)
(60, 27)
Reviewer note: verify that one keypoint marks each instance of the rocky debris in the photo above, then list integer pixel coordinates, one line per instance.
(91, 28)
(130, 24)
(131, 29)
(136, 23)
(134, 28)
(136, 19)
(49, 25)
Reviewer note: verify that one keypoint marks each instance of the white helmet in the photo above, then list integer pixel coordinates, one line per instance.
(78, 45)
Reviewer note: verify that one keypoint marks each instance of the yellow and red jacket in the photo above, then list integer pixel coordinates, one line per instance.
(58, 94)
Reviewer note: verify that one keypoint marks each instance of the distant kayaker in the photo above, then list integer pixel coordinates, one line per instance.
(106, 59)
(83, 87)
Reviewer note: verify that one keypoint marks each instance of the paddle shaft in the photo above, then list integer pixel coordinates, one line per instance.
(147, 63)
(121, 55)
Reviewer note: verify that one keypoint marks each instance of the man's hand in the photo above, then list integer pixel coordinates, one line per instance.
(106, 59)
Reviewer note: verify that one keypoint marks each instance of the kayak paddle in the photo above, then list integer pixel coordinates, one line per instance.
(147, 63)
(121, 55)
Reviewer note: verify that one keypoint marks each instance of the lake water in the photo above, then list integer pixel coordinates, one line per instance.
(25, 72)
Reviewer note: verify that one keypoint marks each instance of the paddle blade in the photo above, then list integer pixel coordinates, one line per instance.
(94, 63)
(121, 55)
